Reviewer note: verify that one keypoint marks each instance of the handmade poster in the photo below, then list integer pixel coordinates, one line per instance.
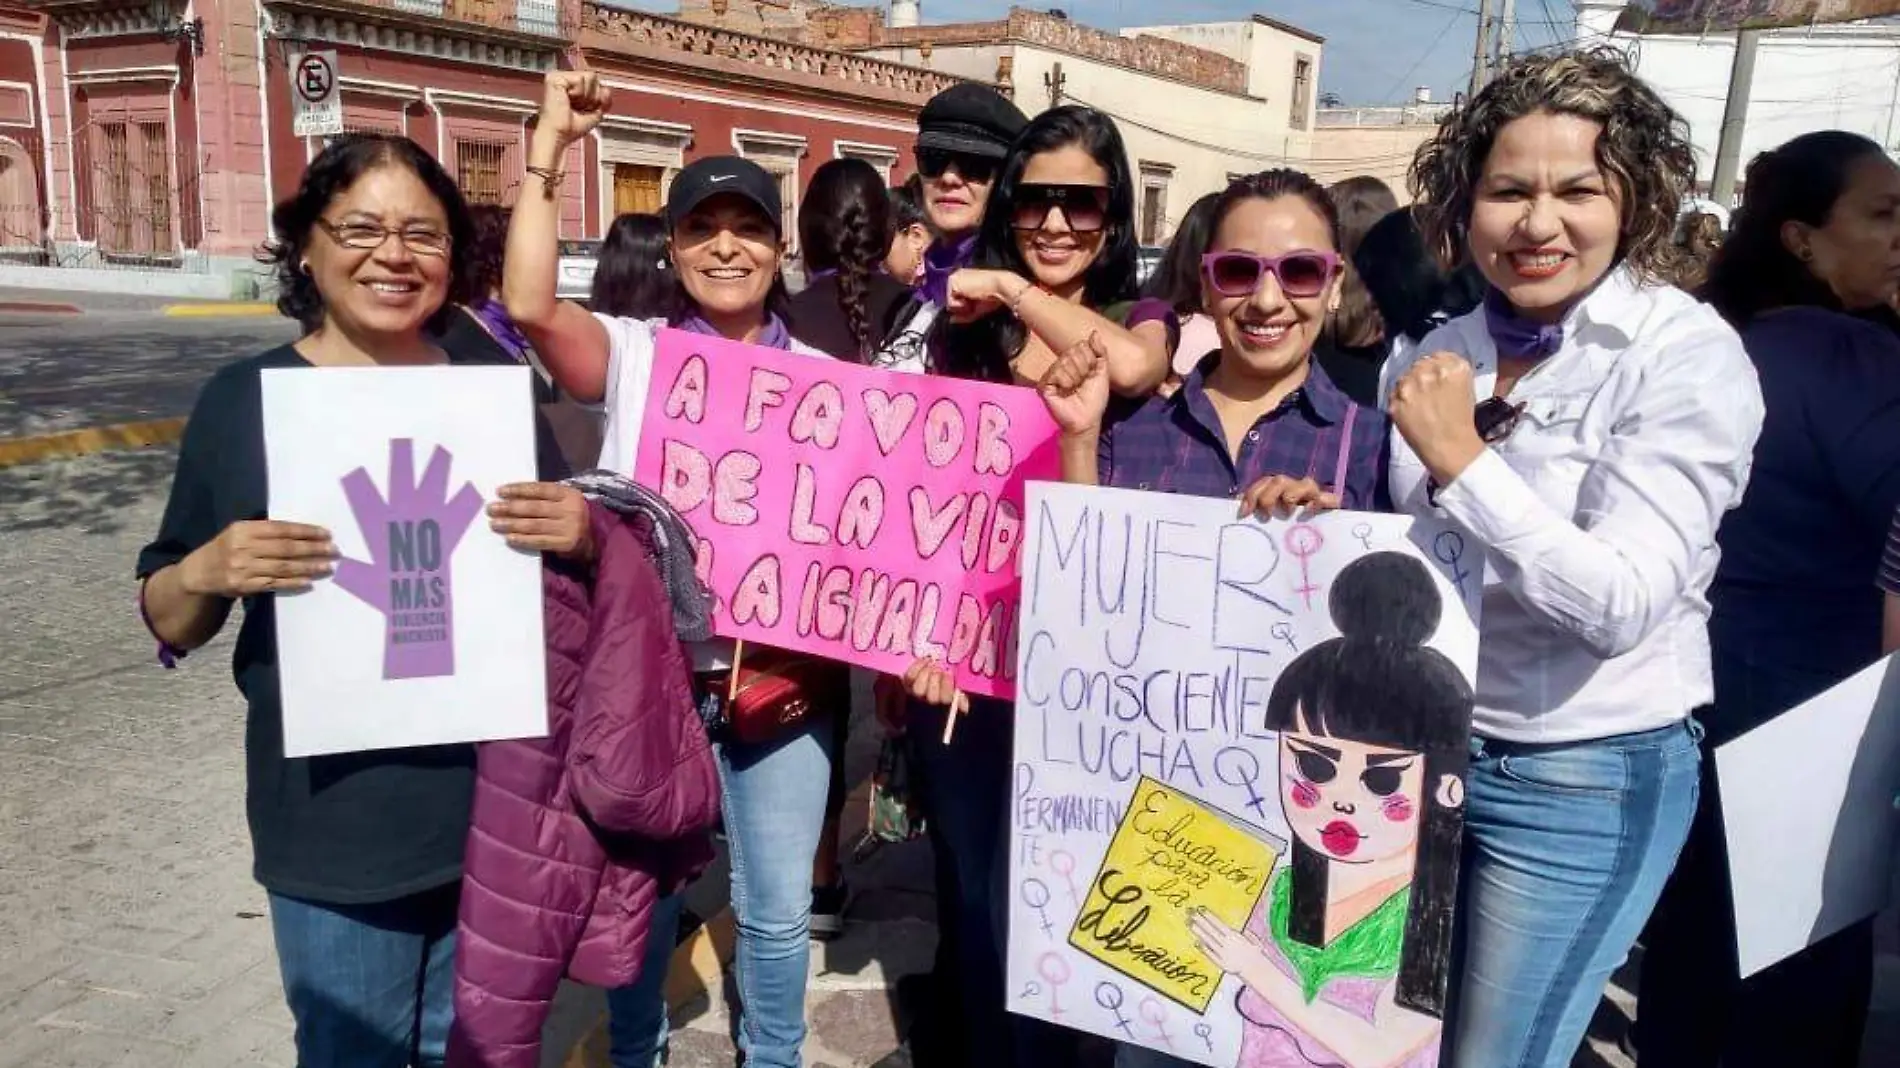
(1713, 16)
(1809, 805)
(429, 632)
(863, 515)
(1239, 784)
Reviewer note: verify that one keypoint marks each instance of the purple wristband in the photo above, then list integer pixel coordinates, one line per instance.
(168, 654)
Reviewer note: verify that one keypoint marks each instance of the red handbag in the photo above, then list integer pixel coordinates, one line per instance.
(771, 691)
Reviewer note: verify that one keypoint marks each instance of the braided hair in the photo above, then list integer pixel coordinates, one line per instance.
(844, 226)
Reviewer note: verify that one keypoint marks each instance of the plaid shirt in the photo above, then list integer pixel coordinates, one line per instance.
(1176, 444)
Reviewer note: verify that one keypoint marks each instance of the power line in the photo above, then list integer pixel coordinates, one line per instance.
(1430, 50)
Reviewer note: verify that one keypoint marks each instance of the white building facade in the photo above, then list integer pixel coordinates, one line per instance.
(1834, 77)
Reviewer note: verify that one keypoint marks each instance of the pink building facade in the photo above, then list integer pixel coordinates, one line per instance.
(152, 137)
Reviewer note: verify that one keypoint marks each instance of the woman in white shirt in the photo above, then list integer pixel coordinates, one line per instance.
(725, 242)
(1584, 430)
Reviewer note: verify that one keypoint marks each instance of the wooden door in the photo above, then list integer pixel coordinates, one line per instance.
(636, 189)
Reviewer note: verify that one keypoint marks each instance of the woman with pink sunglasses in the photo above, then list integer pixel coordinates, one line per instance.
(1257, 421)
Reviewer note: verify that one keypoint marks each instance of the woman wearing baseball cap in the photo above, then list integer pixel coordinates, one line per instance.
(725, 238)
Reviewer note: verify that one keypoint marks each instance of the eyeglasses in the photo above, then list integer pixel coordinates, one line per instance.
(364, 237)
(1496, 418)
(933, 162)
(1239, 274)
(1084, 207)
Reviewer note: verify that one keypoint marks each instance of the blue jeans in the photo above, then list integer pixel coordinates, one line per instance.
(1566, 850)
(773, 795)
(369, 986)
(637, 1026)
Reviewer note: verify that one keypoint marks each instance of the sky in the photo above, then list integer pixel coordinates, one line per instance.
(1376, 51)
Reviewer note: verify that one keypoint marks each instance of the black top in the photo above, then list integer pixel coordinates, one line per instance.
(1354, 369)
(815, 318)
(351, 828)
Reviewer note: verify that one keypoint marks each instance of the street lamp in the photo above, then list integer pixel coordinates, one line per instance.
(171, 28)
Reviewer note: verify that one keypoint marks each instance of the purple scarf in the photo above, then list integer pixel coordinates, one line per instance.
(773, 335)
(940, 262)
(495, 318)
(1516, 337)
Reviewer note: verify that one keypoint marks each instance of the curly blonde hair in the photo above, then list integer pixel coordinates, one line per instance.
(1644, 152)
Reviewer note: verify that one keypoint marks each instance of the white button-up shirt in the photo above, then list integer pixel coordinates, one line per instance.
(1596, 518)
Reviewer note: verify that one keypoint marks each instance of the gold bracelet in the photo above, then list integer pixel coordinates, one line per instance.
(550, 179)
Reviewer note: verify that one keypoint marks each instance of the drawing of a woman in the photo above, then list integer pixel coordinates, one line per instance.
(1343, 961)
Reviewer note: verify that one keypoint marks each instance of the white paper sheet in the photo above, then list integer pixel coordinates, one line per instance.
(1808, 807)
(458, 657)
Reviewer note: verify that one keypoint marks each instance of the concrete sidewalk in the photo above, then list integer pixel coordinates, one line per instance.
(17, 301)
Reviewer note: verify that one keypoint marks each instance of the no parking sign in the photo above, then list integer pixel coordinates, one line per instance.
(318, 103)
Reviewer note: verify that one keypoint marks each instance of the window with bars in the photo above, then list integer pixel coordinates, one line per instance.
(1302, 91)
(480, 170)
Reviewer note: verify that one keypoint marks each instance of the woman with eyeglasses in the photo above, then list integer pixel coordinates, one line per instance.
(1259, 420)
(1584, 431)
(1056, 250)
(361, 853)
(725, 245)
(1795, 608)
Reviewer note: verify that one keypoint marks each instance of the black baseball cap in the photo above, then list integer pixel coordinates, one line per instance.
(703, 179)
(971, 119)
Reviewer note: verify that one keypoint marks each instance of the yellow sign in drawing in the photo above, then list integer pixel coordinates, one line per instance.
(1171, 854)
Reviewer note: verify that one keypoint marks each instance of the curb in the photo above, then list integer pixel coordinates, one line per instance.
(225, 310)
(83, 442)
(39, 307)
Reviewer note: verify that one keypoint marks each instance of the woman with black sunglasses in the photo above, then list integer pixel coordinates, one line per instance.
(1615, 428)
(1056, 248)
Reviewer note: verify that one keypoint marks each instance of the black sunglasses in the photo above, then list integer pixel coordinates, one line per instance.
(933, 162)
(1496, 418)
(1084, 207)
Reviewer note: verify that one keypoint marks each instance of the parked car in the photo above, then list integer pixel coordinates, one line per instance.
(574, 273)
(1147, 258)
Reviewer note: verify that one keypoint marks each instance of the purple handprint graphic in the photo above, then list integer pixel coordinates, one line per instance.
(412, 537)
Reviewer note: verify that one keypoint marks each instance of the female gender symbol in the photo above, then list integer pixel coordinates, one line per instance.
(1055, 971)
(1240, 769)
(1064, 865)
(1284, 631)
(1206, 1035)
(1036, 896)
(1363, 532)
(1304, 542)
(1155, 1015)
(1109, 996)
(1449, 547)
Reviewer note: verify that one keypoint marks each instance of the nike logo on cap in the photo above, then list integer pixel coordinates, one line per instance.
(717, 178)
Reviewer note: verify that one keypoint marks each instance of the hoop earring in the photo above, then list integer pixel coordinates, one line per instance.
(303, 268)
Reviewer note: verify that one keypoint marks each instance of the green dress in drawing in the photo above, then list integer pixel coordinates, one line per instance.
(1344, 961)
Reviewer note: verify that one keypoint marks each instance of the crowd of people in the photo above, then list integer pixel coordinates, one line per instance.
(1678, 450)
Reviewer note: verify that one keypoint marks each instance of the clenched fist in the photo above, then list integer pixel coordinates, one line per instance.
(572, 104)
(1432, 406)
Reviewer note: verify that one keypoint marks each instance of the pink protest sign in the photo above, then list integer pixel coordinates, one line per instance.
(864, 515)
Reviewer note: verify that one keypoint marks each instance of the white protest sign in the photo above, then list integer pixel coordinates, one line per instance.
(1808, 809)
(430, 631)
(316, 99)
(1238, 793)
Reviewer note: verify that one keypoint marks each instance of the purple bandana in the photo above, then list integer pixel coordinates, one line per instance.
(940, 262)
(1516, 337)
(772, 336)
(495, 317)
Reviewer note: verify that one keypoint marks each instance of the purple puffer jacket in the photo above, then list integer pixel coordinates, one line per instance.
(575, 836)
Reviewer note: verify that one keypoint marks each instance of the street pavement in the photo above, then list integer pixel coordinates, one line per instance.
(65, 372)
(132, 935)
